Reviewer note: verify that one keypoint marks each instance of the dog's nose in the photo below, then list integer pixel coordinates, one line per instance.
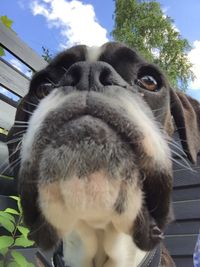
(92, 76)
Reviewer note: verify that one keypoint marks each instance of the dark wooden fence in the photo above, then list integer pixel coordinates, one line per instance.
(182, 234)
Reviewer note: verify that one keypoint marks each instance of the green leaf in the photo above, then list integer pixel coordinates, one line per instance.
(23, 242)
(7, 224)
(6, 241)
(12, 211)
(18, 203)
(19, 206)
(29, 264)
(6, 21)
(15, 198)
(7, 216)
(1, 264)
(2, 53)
(3, 251)
(23, 230)
(19, 258)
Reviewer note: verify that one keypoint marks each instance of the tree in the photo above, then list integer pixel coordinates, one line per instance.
(144, 26)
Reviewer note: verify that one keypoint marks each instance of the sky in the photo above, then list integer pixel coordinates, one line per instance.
(58, 24)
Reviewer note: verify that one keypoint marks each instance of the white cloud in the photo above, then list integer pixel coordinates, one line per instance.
(76, 21)
(194, 58)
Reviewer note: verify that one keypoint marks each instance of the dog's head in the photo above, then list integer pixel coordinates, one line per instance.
(95, 146)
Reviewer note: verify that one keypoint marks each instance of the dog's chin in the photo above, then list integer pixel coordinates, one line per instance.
(89, 173)
(83, 146)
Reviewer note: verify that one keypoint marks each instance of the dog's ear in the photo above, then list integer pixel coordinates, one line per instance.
(186, 113)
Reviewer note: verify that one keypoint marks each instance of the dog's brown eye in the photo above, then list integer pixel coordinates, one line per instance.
(43, 90)
(147, 82)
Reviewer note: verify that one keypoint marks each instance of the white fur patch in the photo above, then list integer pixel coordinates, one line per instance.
(50, 103)
(64, 203)
(119, 250)
(93, 53)
(154, 144)
(80, 209)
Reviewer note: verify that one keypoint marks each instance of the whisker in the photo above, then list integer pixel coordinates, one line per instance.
(178, 147)
(16, 161)
(21, 122)
(27, 111)
(178, 163)
(15, 165)
(32, 104)
(159, 115)
(54, 84)
(157, 109)
(64, 69)
(20, 126)
(19, 133)
(12, 141)
(194, 170)
(182, 158)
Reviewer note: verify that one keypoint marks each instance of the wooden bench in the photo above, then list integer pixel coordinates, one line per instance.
(181, 235)
(13, 80)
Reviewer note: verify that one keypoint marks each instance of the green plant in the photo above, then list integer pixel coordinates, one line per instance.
(8, 23)
(12, 221)
(46, 54)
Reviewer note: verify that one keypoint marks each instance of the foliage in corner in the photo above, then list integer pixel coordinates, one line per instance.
(144, 26)
(17, 236)
(47, 56)
(8, 23)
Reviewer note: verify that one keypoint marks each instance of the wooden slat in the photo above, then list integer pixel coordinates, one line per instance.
(183, 261)
(183, 227)
(8, 100)
(12, 79)
(187, 180)
(184, 177)
(188, 193)
(10, 41)
(7, 115)
(7, 202)
(181, 245)
(3, 157)
(187, 209)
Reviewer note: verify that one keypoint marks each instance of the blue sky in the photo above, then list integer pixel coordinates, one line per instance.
(56, 24)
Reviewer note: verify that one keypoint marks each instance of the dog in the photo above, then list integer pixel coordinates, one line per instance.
(95, 163)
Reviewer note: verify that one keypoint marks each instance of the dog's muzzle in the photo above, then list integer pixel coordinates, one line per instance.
(95, 151)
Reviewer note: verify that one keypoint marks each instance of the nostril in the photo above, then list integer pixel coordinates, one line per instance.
(74, 76)
(105, 77)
